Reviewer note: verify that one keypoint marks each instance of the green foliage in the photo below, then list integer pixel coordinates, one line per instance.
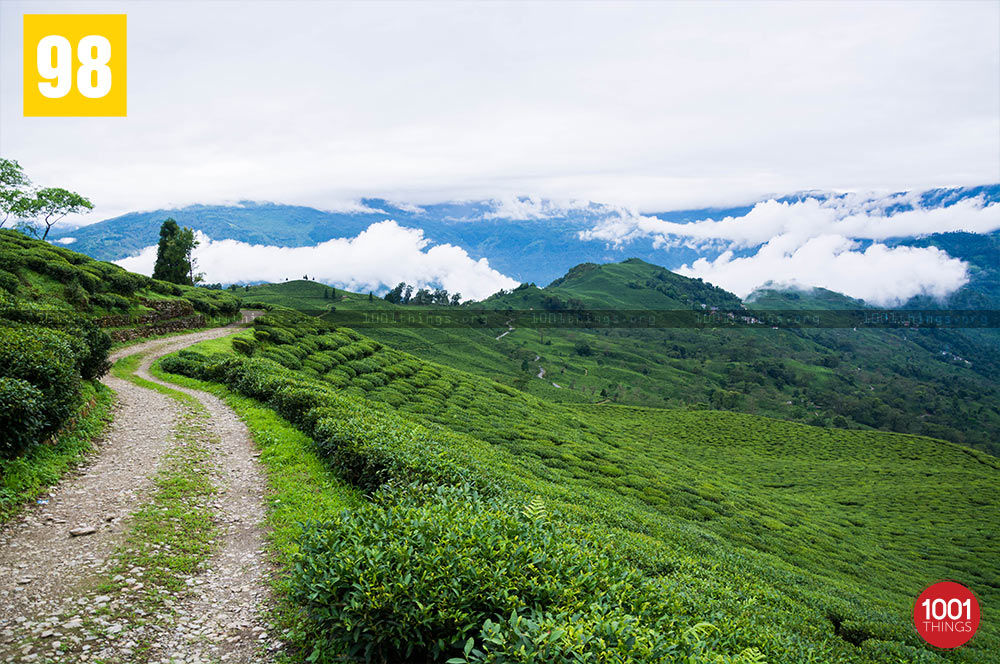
(51, 204)
(173, 254)
(939, 383)
(58, 278)
(50, 337)
(21, 415)
(798, 544)
(419, 571)
(46, 391)
(15, 196)
(20, 201)
(25, 476)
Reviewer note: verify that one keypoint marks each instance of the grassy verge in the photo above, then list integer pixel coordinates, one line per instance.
(302, 488)
(25, 477)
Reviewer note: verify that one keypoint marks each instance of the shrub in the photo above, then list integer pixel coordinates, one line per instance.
(417, 573)
(110, 301)
(124, 283)
(77, 295)
(47, 360)
(21, 420)
(9, 282)
(94, 362)
(243, 346)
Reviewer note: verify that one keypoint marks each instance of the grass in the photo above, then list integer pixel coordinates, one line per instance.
(24, 478)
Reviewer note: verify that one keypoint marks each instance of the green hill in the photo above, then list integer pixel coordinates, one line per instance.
(59, 312)
(37, 274)
(793, 543)
(941, 383)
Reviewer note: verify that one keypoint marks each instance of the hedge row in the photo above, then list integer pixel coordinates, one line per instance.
(423, 573)
(44, 356)
(89, 283)
(445, 561)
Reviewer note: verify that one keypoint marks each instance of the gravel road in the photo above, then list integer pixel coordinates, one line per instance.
(49, 606)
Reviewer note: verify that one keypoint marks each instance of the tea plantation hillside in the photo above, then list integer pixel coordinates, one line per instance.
(940, 383)
(59, 313)
(36, 273)
(501, 527)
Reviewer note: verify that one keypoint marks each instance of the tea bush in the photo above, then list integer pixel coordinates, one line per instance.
(797, 544)
(39, 271)
(21, 420)
(47, 361)
(421, 570)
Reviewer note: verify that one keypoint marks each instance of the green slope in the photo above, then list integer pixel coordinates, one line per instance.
(804, 543)
(944, 384)
(37, 273)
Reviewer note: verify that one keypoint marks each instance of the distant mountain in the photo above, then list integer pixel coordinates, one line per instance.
(982, 253)
(526, 239)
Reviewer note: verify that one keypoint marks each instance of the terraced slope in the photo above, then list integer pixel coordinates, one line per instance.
(796, 543)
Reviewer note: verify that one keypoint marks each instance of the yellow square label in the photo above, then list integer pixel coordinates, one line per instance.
(74, 65)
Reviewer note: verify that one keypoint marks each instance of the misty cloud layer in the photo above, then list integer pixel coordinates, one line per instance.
(378, 258)
(813, 243)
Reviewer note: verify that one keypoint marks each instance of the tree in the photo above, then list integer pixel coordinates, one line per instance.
(15, 195)
(456, 299)
(396, 294)
(371, 296)
(421, 297)
(51, 204)
(439, 296)
(173, 255)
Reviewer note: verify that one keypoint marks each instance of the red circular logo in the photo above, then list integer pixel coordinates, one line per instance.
(946, 614)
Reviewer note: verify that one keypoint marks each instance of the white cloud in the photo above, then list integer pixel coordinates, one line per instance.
(879, 275)
(812, 243)
(66, 240)
(407, 207)
(379, 257)
(533, 207)
(856, 217)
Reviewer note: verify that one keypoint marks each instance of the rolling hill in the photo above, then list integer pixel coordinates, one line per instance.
(942, 383)
(471, 520)
(784, 542)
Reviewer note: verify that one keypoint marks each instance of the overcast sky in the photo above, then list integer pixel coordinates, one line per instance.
(652, 105)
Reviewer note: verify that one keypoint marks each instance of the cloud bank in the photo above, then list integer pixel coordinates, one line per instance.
(377, 258)
(879, 275)
(813, 242)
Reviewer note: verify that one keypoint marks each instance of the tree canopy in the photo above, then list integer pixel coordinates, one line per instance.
(174, 262)
(19, 200)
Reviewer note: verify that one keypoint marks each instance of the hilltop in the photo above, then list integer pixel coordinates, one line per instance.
(39, 275)
(885, 379)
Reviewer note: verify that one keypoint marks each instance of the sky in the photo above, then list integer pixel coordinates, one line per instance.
(647, 106)
(653, 105)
